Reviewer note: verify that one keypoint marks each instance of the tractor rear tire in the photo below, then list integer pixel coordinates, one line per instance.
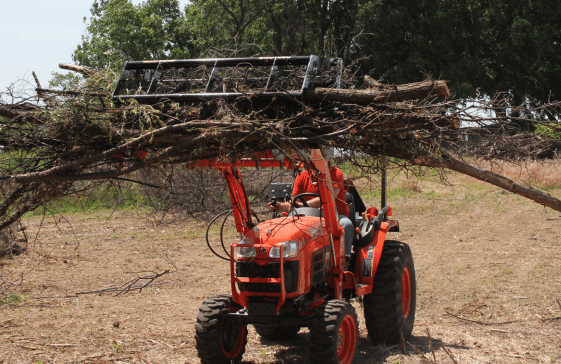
(389, 311)
(276, 333)
(217, 338)
(334, 334)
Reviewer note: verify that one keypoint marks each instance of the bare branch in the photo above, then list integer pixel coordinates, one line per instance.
(79, 69)
(137, 283)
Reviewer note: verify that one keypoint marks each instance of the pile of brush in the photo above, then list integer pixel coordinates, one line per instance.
(84, 134)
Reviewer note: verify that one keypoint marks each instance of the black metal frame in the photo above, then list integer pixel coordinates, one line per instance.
(151, 71)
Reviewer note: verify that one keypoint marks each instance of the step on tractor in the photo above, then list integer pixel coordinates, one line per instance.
(288, 272)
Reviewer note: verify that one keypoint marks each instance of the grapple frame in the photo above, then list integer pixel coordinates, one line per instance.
(199, 80)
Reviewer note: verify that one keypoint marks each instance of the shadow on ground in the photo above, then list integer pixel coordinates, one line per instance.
(295, 351)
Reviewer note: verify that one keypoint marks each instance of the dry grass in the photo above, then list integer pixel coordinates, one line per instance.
(538, 174)
(409, 185)
(489, 279)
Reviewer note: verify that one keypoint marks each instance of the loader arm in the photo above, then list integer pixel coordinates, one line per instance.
(332, 226)
(325, 187)
(239, 198)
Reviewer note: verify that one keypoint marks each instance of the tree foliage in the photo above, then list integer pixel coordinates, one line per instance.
(227, 27)
(493, 46)
(118, 30)
(480, 47)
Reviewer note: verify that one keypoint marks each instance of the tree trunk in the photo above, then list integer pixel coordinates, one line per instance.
(411, 91)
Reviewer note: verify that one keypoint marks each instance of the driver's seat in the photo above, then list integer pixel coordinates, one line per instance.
(349, 199)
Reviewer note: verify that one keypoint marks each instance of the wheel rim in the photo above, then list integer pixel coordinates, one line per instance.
(406, 292)
(346, 340)
(233, 338)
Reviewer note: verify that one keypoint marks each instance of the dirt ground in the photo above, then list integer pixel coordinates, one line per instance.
(488, 266)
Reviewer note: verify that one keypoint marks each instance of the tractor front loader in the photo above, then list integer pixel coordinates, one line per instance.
(287, 272)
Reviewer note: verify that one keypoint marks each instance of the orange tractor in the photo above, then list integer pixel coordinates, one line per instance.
(287, 272)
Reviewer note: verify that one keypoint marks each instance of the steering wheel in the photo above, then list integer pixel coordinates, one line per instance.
(302, 196)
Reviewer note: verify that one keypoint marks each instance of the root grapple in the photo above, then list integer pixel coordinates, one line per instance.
(199, 80)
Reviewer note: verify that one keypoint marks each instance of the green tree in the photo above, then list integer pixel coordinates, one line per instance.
(493, 46)
(323, 27)
(228, 27)
(527, 60)
(118, 30)
(68, 81)
(283, 27)
(478, 46)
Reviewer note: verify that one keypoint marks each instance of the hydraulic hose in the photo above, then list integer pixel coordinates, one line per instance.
(226, 215)
(227, 212)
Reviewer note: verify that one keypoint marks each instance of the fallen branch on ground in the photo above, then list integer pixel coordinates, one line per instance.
(482, 322)
(130, 285)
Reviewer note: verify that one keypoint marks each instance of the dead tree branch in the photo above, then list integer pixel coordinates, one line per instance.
(79, 69)
(137, 283)
(84, 136)
(412, 91)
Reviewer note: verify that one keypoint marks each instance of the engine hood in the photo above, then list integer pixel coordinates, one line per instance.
(300, 228)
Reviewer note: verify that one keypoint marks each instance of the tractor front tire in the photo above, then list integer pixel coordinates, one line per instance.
(276, 333)
(334, 334)
(217, 338)
(389, 311)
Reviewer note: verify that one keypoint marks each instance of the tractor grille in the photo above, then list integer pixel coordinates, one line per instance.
(321, 262)
(269, 270)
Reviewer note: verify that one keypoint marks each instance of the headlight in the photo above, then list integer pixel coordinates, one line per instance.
(289, 250)
(244, 252)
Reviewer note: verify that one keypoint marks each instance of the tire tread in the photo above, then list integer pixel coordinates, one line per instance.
(383, 310)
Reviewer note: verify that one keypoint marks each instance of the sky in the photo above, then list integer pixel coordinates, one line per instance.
(37, 35)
